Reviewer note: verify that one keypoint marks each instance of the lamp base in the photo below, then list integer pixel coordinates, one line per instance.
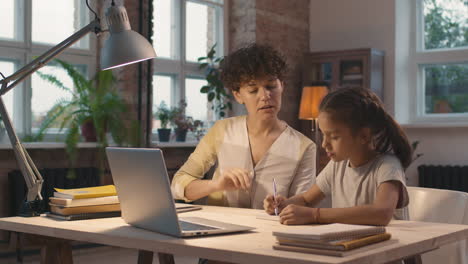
(32, 208)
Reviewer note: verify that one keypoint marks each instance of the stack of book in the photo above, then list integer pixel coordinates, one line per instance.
(333, 239)
(84, 203)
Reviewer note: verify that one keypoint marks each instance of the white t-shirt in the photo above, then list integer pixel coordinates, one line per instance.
(350, 187)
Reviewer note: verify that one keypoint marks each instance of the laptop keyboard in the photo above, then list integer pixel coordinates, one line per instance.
(187, 226)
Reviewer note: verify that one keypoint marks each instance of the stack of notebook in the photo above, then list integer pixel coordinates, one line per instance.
(84, 203)
(332, 239)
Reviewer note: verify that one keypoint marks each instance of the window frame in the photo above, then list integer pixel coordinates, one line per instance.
(178, 67)
(22, 51)
(419, 58)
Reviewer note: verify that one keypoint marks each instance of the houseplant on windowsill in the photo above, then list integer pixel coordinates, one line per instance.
(95, 108)
(164, 114)
(182, 122)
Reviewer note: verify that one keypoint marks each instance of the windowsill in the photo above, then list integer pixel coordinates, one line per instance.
(436, 125)
(48, 145)
(174, 144)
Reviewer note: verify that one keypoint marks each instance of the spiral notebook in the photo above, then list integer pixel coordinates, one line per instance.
(331, 232)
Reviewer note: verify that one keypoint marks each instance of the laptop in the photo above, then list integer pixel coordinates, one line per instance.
(146, 201)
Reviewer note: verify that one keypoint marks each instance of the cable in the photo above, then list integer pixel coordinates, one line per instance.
(95, 14)
(2, 75)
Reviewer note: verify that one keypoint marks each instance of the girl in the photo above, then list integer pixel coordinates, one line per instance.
(365, 176)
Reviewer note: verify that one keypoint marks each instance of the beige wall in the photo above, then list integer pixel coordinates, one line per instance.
(340, 24)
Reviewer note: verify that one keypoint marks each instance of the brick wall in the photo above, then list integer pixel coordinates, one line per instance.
(283, 24)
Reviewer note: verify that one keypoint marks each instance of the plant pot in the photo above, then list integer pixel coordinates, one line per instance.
(181, 134)
(164, 134)
(88, 131)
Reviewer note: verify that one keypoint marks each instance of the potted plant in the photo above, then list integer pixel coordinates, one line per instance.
(182, 122)
(95, 108)
(164, 114)
(216, 93)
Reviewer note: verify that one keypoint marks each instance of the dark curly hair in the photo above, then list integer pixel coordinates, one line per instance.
(251, 62)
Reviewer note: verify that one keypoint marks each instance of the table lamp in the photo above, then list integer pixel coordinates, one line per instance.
(310, 101)
(124, 46)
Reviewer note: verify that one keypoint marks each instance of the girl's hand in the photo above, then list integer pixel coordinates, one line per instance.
(297, 215)
(270, 203)
(234, 179)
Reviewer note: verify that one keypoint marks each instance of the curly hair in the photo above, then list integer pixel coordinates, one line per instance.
(251, 62)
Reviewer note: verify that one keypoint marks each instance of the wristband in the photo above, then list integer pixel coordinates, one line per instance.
(317, 216)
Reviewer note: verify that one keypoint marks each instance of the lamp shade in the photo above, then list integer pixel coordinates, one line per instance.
(310, 101)
(124, 46)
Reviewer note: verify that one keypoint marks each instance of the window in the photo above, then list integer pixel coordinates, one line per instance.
(24, 37)
(183, 31)
(440, 54)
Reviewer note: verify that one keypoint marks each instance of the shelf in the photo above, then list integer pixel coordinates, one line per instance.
(435, 125)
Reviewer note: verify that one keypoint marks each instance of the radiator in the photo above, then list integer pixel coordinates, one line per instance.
(444, 177)
(53, 178)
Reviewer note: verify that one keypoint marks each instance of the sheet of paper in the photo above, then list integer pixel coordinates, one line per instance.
(265, 216)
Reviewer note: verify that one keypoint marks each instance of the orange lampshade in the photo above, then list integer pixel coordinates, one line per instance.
(310, 101)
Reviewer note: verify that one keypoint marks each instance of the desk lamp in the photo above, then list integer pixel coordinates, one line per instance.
(124, 46)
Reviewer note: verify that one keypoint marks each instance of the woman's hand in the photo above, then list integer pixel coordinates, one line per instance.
(270, 203)
(297, 215)
(234, 179)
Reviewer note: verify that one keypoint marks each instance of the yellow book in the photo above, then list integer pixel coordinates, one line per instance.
(89, 192)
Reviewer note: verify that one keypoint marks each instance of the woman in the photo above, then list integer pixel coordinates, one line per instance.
(252, 150)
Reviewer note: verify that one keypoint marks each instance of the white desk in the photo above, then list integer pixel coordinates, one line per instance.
(408, 238)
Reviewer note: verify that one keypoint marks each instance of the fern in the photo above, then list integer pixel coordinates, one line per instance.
(93, 100)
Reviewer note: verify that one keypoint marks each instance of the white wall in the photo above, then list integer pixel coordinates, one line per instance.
(349, 24)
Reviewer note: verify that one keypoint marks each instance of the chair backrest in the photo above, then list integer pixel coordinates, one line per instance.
(437, 205)
(441, 206)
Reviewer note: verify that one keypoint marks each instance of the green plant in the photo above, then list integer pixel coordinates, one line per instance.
(414, 146)
(164, 114)
(95, 101)
(181, 121)
(216, 93)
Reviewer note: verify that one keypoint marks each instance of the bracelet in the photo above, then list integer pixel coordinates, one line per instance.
(317, 216)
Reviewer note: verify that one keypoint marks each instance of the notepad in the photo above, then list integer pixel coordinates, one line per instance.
(340, 245)
(331, 232)
(265, 216)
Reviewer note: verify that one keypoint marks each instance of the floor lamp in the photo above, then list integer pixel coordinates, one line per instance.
(124, 46)
(309, 108)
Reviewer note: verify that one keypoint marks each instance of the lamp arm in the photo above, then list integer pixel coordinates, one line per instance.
(42, 60)
(27, 167)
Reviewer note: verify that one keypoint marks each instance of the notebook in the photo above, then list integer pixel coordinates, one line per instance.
(341, 245)
(331, 232)
(83, 216)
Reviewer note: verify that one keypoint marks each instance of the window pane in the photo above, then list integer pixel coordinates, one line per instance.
(446, 88)
(201, 26)
(45, 95)
(445, 23)
(162, 91)
(197, 103)
(7, 68)
(55, 20)
(164, 28)
(8, 19)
